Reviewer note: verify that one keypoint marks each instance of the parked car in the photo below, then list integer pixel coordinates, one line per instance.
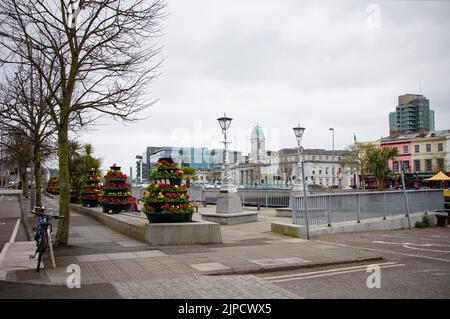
(12, 185)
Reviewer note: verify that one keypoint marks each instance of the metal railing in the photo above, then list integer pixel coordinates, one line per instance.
(326, 209)
(254, 197)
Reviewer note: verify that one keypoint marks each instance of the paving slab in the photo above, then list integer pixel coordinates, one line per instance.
(201, 287)
(105, 255)
(209, 266)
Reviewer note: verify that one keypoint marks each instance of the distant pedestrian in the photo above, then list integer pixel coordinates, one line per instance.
(134, 205)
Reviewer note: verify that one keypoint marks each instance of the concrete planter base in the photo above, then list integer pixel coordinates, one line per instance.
(231, 219)
(284, 212)
(397, 222)
(201, 232)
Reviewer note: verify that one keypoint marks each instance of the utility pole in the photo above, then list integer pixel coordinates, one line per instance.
(1, 157)
(32, 190)
(332, 170)
(405, 194)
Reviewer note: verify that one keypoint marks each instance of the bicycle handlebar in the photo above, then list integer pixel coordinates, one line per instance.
(46, 215)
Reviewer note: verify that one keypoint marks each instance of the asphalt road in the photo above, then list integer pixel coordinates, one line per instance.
(9, 214)
(416, 265)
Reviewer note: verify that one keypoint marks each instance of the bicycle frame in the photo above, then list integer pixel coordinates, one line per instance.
(44, 225)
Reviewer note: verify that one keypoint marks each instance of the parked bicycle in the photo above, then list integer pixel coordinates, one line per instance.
(43, 236)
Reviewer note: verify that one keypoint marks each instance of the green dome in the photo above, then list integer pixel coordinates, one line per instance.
(257, 132)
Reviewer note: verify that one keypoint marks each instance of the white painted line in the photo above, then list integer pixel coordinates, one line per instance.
(3, 255)
(326, 271)
(439, 238)
(16, 229)
(408, 245)
(426, 270)
(333, 273)
(1, 198)
(391, 252)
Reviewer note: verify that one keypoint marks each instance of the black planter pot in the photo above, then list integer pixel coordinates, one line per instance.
(115, 209)
(91, 202)
(169, 217)
(175, 181)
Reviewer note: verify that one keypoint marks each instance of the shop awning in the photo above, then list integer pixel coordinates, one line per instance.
(439, 177)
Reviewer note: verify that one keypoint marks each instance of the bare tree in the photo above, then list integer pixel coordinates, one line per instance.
(24, 110)
(16, 146)
(98, 57)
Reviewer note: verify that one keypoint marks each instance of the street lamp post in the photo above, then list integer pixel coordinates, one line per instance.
(227, 185)
(332, 155)
(228, 201)
(298, 130)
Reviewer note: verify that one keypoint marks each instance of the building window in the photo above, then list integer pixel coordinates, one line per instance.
(428, 165)
(320, 172)
(406, 167)
(314, 172)
(440, 147)
(417, 165)
(405, 149)
(417, 148)
(314, 158)
(440, 164)
(326, 171)
(395, 167)
(428, 148)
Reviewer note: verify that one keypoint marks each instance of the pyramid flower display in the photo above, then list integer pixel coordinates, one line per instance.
(116, 195)
(166, 200)
(90, 191)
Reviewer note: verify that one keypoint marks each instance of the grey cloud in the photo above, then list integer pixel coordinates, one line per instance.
(283, 62)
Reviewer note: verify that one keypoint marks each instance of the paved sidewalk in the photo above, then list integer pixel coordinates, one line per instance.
(136, 269)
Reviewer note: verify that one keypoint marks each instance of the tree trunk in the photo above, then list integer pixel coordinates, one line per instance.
(381, 182)
(62, 235)
(38, 173)
(24, 179)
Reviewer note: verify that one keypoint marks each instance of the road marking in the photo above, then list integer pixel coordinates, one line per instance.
(16, 229)
(2, 258)
(408, 245)
(390, 252)
(419, 238)
(427, 270)
(333, 273)
(326, 271)
(1, 198)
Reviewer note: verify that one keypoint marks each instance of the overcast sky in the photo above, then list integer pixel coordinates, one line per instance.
(319, 63)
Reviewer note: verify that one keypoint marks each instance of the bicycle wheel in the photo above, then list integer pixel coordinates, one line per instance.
(42, 247)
